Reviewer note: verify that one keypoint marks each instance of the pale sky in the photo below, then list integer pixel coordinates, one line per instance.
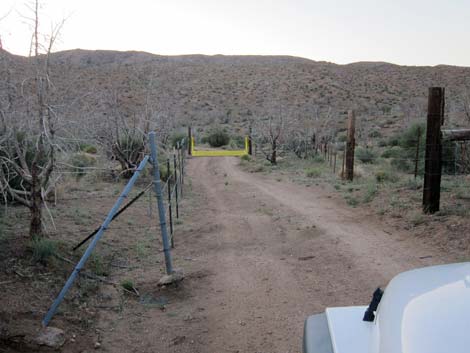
(406, 32)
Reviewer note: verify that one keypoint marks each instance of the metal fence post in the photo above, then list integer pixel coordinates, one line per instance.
(176, 186)
(161, 207)
(170, 213)
(94, 242)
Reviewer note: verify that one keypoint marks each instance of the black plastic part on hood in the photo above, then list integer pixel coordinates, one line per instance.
(369, 315)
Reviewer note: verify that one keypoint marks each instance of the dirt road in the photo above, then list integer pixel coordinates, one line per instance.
(260, 256)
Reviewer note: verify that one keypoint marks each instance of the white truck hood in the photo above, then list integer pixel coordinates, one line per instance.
(425, 311)
(422, 311)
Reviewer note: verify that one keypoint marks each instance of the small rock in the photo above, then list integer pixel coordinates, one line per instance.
(175, 277)
(97, 345)
(51, 336)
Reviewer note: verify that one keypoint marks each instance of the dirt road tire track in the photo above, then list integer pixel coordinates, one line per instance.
(260, 256)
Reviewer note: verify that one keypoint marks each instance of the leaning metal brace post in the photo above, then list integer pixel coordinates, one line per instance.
(161, 207)
(93, 243)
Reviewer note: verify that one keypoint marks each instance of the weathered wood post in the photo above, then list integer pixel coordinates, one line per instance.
(433, 163)
(189, 140)
(343, 162)
(250, 142)
(331, 156)
(350, 145)
(417, 152)
(334, 162)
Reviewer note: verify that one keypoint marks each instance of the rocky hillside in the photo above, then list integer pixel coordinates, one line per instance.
(202, 90)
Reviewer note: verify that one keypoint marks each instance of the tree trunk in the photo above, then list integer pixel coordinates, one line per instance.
(274, 152)
(35, 228)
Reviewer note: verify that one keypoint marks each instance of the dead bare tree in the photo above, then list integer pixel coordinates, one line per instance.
(269, 135)
(27, 147)
(123, 134)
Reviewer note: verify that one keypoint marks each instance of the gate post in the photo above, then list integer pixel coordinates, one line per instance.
(432, 163)
(350, 144)
(190, 139)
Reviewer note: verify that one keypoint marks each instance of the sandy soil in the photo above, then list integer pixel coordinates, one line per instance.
(260, 256)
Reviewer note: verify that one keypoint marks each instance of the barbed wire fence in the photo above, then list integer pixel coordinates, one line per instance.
(169, 189)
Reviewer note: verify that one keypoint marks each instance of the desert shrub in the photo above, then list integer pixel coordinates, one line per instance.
(98, 265)
(129, 151)
(413, 184)
(176, 138)
(393, 141)
(313, 172)
(318, 159)
(366, 155)
(88, 148)
(237, 141)
(80, 161)
(382, 143)
(218, 138)
(382, 176)
(43, 249)
(375, 134)
(392, 152)
(370, 192)
(341, 137)
(128, 285)
(162, 167)
(7, 151)
(351, 200)
(131, 145)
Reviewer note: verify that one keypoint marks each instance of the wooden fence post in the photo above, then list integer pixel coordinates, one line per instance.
(189, 140)
(433, 163)
(350, 144)
(334, 163)
(250, 143)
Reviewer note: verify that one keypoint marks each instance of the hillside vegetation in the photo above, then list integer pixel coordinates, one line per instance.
(200, 90)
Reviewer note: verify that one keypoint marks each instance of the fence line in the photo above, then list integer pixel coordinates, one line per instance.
(119, 207)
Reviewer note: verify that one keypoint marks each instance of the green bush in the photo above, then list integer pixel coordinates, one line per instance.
(383, 176)
(370, 192)
(162, 167)
(313, 172)
(218, 138)
(28, 149)
(128, 285)
(43, 249)
(403, 152)
(375, 134)
(246, 157)
(83, 147)
(80, 161)
(392, 152)
(366, 155)
(237, 142)
(176, 138)
(318, 159)
(393, 141)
